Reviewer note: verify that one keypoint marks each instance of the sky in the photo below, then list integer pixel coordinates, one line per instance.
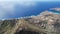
(7, 7)
(29, 0)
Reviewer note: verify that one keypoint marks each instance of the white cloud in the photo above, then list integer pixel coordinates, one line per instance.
(27, 3)
(7, 7)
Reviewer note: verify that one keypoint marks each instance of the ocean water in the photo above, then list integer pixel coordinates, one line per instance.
(54, 11)
(22, 11)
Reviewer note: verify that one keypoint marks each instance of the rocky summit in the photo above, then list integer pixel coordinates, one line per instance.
(44, 23)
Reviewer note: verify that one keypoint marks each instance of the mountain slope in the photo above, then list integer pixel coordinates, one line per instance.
(46, 23)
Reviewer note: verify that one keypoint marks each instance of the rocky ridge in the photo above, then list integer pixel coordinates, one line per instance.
(45, 23)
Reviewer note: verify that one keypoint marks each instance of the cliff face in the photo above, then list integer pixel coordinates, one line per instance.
(46, 23)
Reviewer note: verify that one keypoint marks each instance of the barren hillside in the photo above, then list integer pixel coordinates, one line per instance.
(45, 23)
